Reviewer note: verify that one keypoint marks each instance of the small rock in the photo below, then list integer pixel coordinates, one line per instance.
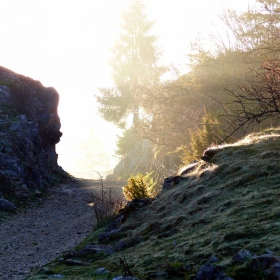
(93, 249)
(22, 118)
(242, 256)
(135, 204)
(274, 272)
(6, 205)
(264, 261)
(267, 251)
(120, 219)
(104, 237)
(210, 272)
(71, 262)
(206, 158)
(56, 276)
(101, 270)
(213, 259)
(173, 181)
(167, 183)
(12, 174)
(210, 153)
(188, 169)
(38, 194)
(123, 244)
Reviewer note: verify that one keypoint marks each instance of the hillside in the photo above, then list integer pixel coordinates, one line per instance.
(222, 207)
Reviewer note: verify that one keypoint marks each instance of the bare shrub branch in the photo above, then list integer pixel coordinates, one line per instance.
(257, 101)
(106, 203)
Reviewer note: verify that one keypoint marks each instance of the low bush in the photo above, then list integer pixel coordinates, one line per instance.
(140, 186)
(208, 134)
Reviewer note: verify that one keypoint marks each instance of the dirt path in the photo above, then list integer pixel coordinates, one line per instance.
(39, 235)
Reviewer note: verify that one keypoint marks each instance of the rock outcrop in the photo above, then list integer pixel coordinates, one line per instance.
(29, 130)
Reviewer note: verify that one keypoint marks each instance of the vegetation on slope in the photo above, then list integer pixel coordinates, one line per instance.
(232, 85)
(227, 205)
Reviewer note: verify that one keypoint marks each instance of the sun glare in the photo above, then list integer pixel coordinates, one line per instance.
(66, 44)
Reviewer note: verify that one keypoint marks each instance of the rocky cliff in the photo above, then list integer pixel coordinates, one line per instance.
(29, 131)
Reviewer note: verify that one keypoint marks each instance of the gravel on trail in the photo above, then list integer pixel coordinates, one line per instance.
(38, 235)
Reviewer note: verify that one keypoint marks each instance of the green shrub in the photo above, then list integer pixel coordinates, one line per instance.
(140, 186)
(209, 134)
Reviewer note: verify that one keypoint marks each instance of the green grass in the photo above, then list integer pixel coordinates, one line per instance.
(229, 205)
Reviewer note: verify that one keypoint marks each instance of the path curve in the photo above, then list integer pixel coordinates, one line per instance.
(37, 236)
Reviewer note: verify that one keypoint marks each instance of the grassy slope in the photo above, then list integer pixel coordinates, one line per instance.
(223, 207)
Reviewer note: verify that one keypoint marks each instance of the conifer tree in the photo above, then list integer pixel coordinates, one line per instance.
(134, 64)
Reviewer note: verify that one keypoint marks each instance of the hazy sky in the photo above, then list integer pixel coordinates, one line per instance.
(65, 44)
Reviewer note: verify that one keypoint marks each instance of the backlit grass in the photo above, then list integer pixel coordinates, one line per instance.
(230, 204)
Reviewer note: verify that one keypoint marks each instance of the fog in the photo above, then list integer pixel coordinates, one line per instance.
(66, 44)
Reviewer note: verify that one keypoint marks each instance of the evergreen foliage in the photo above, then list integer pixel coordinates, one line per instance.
(139, 186)
(169, 113)
(209, 134)
(127, 142)
(134, 63)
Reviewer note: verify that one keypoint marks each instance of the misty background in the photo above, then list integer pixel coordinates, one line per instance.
(66, 45)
